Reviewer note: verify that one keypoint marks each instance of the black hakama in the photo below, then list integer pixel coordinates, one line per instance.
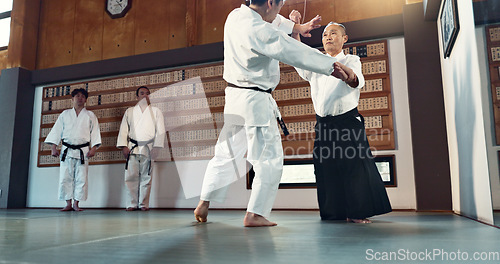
(348, 182)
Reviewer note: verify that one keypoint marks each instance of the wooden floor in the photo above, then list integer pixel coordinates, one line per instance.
(171, 236)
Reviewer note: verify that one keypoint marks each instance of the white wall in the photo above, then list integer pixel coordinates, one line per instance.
(173, 182)
(465, 122)
(489, 119)
(404, 196)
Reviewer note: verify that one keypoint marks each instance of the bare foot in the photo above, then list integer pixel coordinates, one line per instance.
(201, 211)
(67, 208)
(130, 209)
(255, 220)
(77, 208)
(359, 221)
(144, 208)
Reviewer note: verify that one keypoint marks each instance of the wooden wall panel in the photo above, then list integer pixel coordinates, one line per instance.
(358, 10)
(397, 6)
(293, 2)
(191, 24)
(22, 44)
(3, 59)
(151, 25)
(212, 18)
(210, 24)
(74, 31)
(87, 44)
(118, 38)
(55, 45)
(285, 10)
(312, 8)
(341, 10)
(326, 9)
(291, 5)
(177, 34)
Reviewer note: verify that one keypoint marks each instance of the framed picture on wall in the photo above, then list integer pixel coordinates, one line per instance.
(386, 166)
(299, 173)
(449, 25)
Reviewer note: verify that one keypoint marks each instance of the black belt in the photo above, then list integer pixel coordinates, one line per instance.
(79, 147)
(255, 88)
(283, 126)
(136, 144)
(280, 120)
(329, 118)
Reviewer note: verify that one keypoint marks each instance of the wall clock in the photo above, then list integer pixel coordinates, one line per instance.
(117, 8)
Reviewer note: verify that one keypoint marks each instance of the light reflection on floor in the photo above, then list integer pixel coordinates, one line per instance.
(172, 236)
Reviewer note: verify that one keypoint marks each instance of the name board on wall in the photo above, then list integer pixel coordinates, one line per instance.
(191, 99)
(493, 44)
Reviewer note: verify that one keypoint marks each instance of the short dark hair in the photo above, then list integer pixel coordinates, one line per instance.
(142, 87)
(80, 90)
(261, 2)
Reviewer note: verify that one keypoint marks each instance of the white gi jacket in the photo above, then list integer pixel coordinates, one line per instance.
(75, 130)
(142, 126)
(252, 49)
(332, 96)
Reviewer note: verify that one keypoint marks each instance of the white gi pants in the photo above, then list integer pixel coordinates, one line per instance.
(138, 181)
(265, 153)
(73, 177)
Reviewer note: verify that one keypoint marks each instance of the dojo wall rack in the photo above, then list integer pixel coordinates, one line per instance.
(493, 45)
(190, 98)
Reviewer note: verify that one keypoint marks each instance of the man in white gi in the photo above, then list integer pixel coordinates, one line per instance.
(78, 129)
(349, 186)
(142, 129)
(255, 40)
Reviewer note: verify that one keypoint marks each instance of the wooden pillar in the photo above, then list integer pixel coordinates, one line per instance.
(428, 123)
(23, 34)
(16, 101)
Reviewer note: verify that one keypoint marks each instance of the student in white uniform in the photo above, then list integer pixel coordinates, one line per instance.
(141, 130)
(255, 40)
(348, 183)
(78, 129)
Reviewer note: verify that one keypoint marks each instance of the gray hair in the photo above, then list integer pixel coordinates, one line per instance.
(337, 24)
(261, 2)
